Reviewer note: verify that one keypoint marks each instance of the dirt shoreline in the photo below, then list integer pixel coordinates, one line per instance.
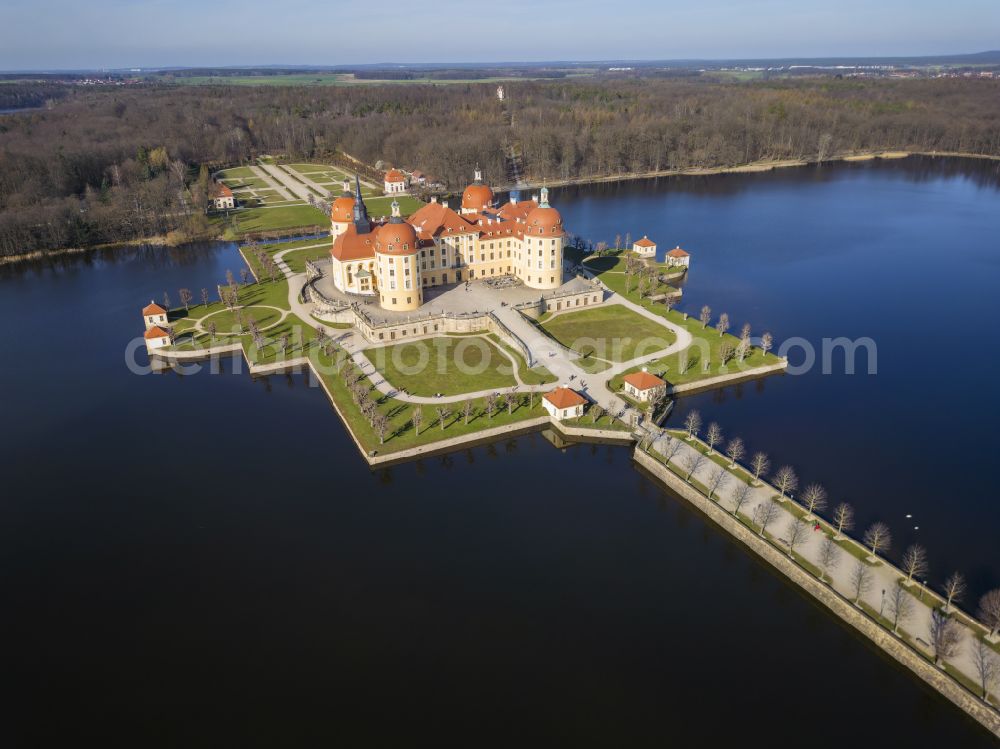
(757, 166)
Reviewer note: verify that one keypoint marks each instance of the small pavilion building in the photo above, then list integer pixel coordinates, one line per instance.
(395, 182)
(678, 257)
(643, 386)
(153, 314)
(644, 247)
(564, 403)
(156, 337)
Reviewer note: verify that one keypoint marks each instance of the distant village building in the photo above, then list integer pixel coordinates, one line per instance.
(644, 386)
(678, 257)
(222, 197)
(153, 314)
(419, 177)
(644, 247)
(395, 182)
(563, 403)
(156, 338)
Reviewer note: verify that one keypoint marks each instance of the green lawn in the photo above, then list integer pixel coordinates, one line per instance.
(225, 321)
(383, 206)
(237, 172)
(284, 217)
(297, 260)
(612, 332)
(436, 365)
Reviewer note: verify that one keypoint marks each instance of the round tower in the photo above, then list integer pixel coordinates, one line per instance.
(397, 265)
(342, 211)
(543, 245)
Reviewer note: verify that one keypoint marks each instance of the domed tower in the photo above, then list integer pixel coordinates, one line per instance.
(342, 211)
(543, 245)
(477, 196)
(397, 265)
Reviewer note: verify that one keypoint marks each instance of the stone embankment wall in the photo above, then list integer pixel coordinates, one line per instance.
(843, 608)
(727, 379)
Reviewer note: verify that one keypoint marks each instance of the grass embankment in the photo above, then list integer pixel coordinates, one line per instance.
(446, 365)
(612, 333)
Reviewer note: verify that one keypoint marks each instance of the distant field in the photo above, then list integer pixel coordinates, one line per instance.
(326, 79)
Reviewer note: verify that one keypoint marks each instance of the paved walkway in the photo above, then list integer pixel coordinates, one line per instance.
(884, 576)
(287, 183)
(274, 184)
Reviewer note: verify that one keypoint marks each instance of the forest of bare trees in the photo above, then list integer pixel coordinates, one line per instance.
(107, 164)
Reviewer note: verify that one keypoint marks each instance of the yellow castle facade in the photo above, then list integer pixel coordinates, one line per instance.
(397, 259)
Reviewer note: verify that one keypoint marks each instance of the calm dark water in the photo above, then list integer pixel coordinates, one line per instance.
(205, 560)
(906, 253)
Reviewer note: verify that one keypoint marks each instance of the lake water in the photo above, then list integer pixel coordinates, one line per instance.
(206, 560)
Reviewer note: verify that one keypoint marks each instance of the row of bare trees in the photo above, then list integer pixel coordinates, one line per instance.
(946, 633)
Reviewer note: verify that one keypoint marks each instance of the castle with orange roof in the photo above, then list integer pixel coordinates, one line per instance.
(395, 260)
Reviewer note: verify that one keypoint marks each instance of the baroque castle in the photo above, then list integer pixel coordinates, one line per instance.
(395, 260)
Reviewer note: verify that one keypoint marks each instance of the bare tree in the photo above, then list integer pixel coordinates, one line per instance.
(861, 580)
(718, 480)
(954, 589)
(814, 499)
(204, 297)
(596, 412)
(705, 316)
(443, 413)
(914, 562)
(491, 405)
(946, 637)
(283, 343)
(672, 447)
(723, 324)
(511, 400)
(186, 296)
(381, 423)
(989, 611)
(843, 518)
(166, 301)
(745, 332)
(418, 419)
(829, 556)
(877, 538)
(798, 531)
(766, 342)
(467, 409)
(692, 423)
(764, 514)
(743, 349)
(244, 276)
(900, 607)
(692, 463)
(713, 436)
(230, 279)
(760, 464)
(785, 480)
(987, 667)
(735, 451)
(740, 497)
(211, 327)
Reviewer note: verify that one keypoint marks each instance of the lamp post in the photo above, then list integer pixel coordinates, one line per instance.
(882, 606)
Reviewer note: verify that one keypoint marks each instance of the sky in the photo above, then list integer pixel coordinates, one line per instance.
(70, 34)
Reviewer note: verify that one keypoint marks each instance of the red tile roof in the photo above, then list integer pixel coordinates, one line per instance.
(677, 252)
(155, 332)
(394, 175)
(153, 309)
(353, 246)
(643, 381)
(645, 242)
(565, 398)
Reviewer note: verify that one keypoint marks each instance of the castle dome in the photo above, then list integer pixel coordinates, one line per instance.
(342, 209)
(396, 238)
(476, 197)
(543, 220)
